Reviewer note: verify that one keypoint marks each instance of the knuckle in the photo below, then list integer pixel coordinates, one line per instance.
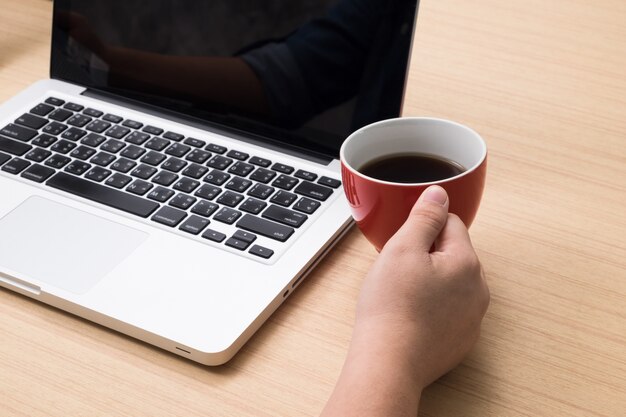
(428, 216)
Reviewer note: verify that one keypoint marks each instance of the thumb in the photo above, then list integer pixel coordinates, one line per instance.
(427, 218)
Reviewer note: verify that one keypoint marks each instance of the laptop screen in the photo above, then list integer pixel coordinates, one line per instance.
(306, 73)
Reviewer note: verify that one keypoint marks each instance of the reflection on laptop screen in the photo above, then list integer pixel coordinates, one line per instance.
(304, 72)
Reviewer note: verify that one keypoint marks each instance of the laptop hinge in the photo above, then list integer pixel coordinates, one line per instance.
(210, 127)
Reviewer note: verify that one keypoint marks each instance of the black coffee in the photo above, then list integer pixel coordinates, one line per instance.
(411, 168)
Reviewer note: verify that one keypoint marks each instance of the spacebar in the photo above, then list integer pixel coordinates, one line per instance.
(105, 195)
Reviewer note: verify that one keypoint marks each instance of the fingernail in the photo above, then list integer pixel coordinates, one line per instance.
(435, 194)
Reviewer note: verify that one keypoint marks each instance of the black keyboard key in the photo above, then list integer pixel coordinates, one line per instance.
(195, 171)
(230, 199)
(132, 124)
(241, 168)
(238, 184)
(227, 215)
(102, 194)
(261, 191)
(285, 182)
(285, 169)
(37, 173)
(117, 132)
(198, 155)
(284, 216)
(139, 187)
(260, 161)
(15, 166)
(213, 235)
(98, 126)
(63, 146)
(216, 177)
(161, 194)
(177, 149)
(330, 182)
(174, 164)
(77, 167)
(242, 156)
(194, 142)
(143, 171)
(215, 148)
(41, 109)
(182, 201)
(194, 225)
(73, 107)
(18, 132)
(245, 236)
(44, 140)
(284, 198)
(318, 192)
(252, 205)
(32, 121)
(263, 175)
(112, 118)
(153, 158)
(38, 154)
(79, 120)
(57, 161)
(306, 205)
(152, 130)
(112, 146)
(265, 228)
(204, 208)
(103, 159)
(219, 162)
(123, 165)
(97, 174)
(83, 152)
(55, 101)
(93, 112)
(73, 134)
(165, 178)
(4, 157)
(157, 144)
(137, 138)
(132, 152)
(93, 139)
(169, 216)
(118, 180)
(176, 137)
(208, 191)
(305, 175)
(54, 128)
(13, 147)
(237, 244)
(60, 115)
(186, 185)
(259, 250)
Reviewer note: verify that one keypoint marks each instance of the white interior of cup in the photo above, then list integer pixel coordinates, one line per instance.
(442, 138)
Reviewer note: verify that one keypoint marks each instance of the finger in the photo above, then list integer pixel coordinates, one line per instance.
(427, 218)
(454, 237)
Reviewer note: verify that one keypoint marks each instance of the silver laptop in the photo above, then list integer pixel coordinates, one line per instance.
(178, 175)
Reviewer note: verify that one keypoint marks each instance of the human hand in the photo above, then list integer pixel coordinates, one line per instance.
(426, 305)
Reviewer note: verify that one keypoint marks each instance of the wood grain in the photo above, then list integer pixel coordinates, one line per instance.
(544, 84)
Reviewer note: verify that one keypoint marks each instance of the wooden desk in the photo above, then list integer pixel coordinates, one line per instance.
(545, 84)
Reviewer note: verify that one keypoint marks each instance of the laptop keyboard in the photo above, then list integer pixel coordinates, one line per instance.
(177, 181)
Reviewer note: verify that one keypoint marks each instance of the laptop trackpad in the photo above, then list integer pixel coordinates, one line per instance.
(63, 246)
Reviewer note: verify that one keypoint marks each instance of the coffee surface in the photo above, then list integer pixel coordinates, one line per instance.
(411, 168)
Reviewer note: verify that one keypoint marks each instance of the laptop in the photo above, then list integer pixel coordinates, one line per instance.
(177, 176)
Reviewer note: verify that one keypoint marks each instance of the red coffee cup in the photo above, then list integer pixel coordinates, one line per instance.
(381, 207)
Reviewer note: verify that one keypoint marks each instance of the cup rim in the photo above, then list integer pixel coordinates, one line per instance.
(412, 120)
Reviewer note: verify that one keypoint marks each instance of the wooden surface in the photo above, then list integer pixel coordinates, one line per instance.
(545, 83)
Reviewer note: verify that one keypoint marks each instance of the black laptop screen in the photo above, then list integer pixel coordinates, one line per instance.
(306, 72)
